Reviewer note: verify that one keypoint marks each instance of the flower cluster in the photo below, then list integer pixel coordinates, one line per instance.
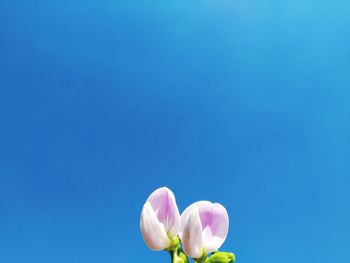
(197, 233)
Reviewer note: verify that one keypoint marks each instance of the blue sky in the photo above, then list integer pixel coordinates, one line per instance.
(245, 103)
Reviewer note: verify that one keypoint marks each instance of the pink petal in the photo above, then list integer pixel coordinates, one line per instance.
(163, 203)
(215, 226)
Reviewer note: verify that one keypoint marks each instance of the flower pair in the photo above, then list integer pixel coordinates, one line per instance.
(202, 227)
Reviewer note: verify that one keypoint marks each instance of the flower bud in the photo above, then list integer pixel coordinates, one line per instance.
(160, 219)
(204, 227)
(222, 257)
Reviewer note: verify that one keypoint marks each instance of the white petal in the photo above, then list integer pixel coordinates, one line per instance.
(192, 234)
(184, 215)
(153, 231)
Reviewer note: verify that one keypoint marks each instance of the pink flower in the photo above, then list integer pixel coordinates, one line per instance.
(160, 219)
(204, 228)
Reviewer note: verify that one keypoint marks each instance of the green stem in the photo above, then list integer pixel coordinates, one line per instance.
(176, 253)
(178, 256)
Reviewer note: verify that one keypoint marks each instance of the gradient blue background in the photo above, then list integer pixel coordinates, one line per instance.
(241, 102)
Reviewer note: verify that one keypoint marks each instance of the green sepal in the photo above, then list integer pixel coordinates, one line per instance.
(203, 258)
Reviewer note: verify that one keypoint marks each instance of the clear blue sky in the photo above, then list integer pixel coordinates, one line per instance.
(241, 102)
